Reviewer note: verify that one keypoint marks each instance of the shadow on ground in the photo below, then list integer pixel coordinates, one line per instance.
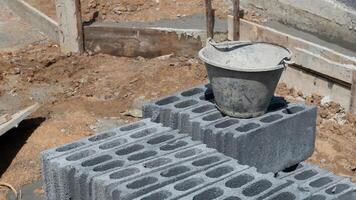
(12, 141)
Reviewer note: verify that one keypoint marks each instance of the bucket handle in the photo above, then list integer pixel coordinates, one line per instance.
(231, 45)
(228, 45)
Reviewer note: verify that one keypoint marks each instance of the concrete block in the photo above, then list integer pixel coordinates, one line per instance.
(102, 184)
(152, 110)
(270, 143)
(290, 193)
(184, 117)
(156, 180)
(133, 143)
(248, 184)
(179, 189)
(344, 190)
(76, 146)
(281, 138)
(84, 178)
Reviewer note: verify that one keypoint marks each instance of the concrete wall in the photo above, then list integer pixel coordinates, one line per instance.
(330, 20)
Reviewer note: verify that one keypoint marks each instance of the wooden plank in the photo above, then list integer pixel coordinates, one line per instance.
(210, 15)
(307, 54)
(236, 20)
(132, 42)
(34, 17)
(353, 93)
(17, 118)
(71, 37)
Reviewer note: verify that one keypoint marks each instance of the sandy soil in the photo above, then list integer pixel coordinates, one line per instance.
(129, 10)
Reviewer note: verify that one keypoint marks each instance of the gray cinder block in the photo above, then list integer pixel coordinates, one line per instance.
(54, 153)
(156, 180)
(152, 109)
(344, 190)
(179, 189)
(277, 140)
(102, 184)
(248, 184)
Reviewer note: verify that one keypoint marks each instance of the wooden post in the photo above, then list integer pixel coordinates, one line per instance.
(71, 37)
(353, 93)
(209, 19)
(236, 20)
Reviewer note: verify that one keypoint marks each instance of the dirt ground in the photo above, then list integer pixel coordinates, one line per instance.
(129, 10)
(83, 94)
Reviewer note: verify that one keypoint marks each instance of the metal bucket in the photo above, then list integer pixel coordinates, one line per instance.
(244, 75)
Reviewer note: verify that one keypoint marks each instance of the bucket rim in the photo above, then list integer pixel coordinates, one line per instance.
(281, 65)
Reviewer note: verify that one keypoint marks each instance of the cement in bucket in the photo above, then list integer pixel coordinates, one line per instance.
(244, 75)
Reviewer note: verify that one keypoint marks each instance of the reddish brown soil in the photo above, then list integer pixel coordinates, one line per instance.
(129, 10)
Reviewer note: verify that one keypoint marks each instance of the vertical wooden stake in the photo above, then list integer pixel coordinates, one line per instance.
(71, 37)
(236, 20)
(209, 19)
(353, 93)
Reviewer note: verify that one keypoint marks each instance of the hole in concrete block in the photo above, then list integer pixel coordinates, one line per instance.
(176, 145)
(206, 161)
(192, 92)
(96, 160)
(227, 123)
(188, 184)
(257, 188)
(157, 163)
(70, 146)
(239, 181)
(161, 195)
(284, 196)
(143, 155)
(188, 153)
(113, 143)
(337, 189)
(80, 155)
(143, 133)
(232, 198)
(248, 127)
(220, 171)
(130, 149)
(213, 117)
(167, 101)
(209, 194)
(142, 182)
(203, 109)
(134, 126)
(102, 136)
(305, 175)
(271, 118)
(124, 173)
(175, 171)
(321, 182)
(316, 197)
(110, 165)
(293, 110)
(186, 104)
(160, 139)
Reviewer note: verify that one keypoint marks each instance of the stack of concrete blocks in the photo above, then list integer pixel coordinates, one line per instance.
(147, 161)
(283, 137)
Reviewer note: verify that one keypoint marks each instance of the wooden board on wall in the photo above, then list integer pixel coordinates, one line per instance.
(133, 42)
